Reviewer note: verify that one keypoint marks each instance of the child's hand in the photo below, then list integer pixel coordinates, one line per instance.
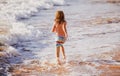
(66, 38)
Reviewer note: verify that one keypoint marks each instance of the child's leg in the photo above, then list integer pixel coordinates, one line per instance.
(57, 51)
(63, 52)
(57, 54)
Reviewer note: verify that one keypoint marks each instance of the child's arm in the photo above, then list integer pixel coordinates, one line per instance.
(65, 30)
(54, 27)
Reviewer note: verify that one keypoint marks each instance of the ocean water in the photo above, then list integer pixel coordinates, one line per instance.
(11, 11)
(29, 22)
(18, 35)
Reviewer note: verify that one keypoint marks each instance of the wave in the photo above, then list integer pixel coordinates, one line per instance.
(12, 10)
(13, 32)
(24, 8)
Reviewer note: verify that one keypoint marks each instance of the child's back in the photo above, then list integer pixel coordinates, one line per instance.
(60, 29)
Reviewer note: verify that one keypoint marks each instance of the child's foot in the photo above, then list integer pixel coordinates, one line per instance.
(64, 59)
(58, 61)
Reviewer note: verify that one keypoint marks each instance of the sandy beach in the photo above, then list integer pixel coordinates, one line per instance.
(27, 45)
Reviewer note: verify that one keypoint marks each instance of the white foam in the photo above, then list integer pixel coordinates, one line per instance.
(12, 51)
(23, 8)
(11, 10)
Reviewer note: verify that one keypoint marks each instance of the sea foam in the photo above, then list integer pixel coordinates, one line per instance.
(13, 10)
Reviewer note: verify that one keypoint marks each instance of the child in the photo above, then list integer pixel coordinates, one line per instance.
(61, 34)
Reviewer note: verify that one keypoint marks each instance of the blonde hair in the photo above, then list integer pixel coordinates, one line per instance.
(59, 17)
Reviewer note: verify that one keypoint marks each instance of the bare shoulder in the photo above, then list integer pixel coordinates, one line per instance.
(55, 23)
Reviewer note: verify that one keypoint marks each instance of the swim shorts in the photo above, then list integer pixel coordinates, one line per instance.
(60, 40)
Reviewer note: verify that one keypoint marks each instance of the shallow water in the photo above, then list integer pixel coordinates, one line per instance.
(89, 47)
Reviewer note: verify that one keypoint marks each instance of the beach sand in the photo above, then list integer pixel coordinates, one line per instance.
(105, 67)
(93, 47)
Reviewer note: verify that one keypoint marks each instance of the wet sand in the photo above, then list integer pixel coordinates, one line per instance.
(105, 67)
(106, 63)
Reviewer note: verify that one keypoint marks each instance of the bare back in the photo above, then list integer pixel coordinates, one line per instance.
(60, 29)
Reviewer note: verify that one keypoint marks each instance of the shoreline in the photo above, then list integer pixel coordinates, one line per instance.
(105, 67)
(93, 47)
